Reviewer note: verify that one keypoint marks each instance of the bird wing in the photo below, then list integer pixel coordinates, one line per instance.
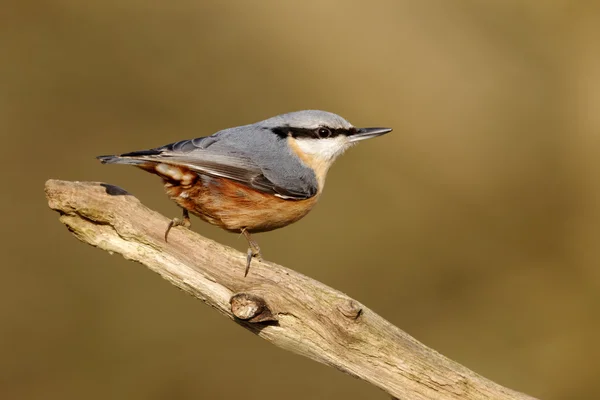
(237, 167)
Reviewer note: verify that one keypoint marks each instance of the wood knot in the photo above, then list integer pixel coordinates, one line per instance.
(251, 308)
(350, 309)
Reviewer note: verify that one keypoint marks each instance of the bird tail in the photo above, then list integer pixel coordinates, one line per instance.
(114, 159)
(133, 158)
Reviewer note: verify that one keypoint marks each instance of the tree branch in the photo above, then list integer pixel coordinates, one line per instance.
(282, 306)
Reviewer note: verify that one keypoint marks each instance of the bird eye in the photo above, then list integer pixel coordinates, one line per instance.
(323, 133)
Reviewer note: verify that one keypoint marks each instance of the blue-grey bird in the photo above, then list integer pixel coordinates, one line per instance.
(251, 178)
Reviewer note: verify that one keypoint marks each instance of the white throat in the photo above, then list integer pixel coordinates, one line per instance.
(325, 149)
(319, 154)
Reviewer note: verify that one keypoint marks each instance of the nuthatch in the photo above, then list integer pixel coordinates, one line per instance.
(252, 178)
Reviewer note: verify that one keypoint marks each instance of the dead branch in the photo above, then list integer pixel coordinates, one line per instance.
(282, 306)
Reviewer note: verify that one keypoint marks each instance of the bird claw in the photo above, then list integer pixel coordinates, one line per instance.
(185, 222)
(253, 251)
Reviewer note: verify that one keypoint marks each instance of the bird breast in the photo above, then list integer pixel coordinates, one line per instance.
(234, 206)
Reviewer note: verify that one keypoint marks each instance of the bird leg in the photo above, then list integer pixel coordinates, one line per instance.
(253, 250)
(185, 222)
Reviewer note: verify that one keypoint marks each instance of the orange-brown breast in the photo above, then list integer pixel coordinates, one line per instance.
(233, 206)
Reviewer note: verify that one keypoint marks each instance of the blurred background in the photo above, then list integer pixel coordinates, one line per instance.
(474, 226)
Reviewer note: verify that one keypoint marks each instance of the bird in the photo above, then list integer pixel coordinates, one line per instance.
(252, 178)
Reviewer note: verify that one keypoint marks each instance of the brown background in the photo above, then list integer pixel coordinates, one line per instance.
(474, 226)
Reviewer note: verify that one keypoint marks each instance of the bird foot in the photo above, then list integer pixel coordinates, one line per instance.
(253, 251)
(251, 254)
(184, 221)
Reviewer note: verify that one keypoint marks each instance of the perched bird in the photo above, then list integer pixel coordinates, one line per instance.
(251, 178)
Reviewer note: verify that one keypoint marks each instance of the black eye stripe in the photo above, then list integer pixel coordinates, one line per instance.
(284, 132)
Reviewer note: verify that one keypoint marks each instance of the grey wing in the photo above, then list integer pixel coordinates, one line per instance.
(236, 168)
(196, 156)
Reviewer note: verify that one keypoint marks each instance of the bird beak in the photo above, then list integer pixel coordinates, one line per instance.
(367, 133)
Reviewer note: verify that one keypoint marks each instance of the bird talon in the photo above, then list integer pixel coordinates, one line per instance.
(248, 261)
(252, 253)
(185, 222)
(253, 250)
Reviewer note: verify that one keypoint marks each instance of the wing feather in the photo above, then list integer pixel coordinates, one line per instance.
(204, 161)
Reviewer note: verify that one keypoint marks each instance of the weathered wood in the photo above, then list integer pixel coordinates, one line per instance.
(282, 306)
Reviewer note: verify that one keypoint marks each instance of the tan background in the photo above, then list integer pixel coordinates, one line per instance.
(474, 226)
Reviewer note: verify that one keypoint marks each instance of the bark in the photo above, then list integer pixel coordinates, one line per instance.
(281, 306)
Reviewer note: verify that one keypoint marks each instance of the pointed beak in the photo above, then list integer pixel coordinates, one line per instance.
(367, 133)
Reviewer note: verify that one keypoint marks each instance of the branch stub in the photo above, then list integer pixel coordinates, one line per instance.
(251, 308)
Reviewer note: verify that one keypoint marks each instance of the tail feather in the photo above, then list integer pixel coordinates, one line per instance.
(113, 159)
(129, 158)
(150, 152)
